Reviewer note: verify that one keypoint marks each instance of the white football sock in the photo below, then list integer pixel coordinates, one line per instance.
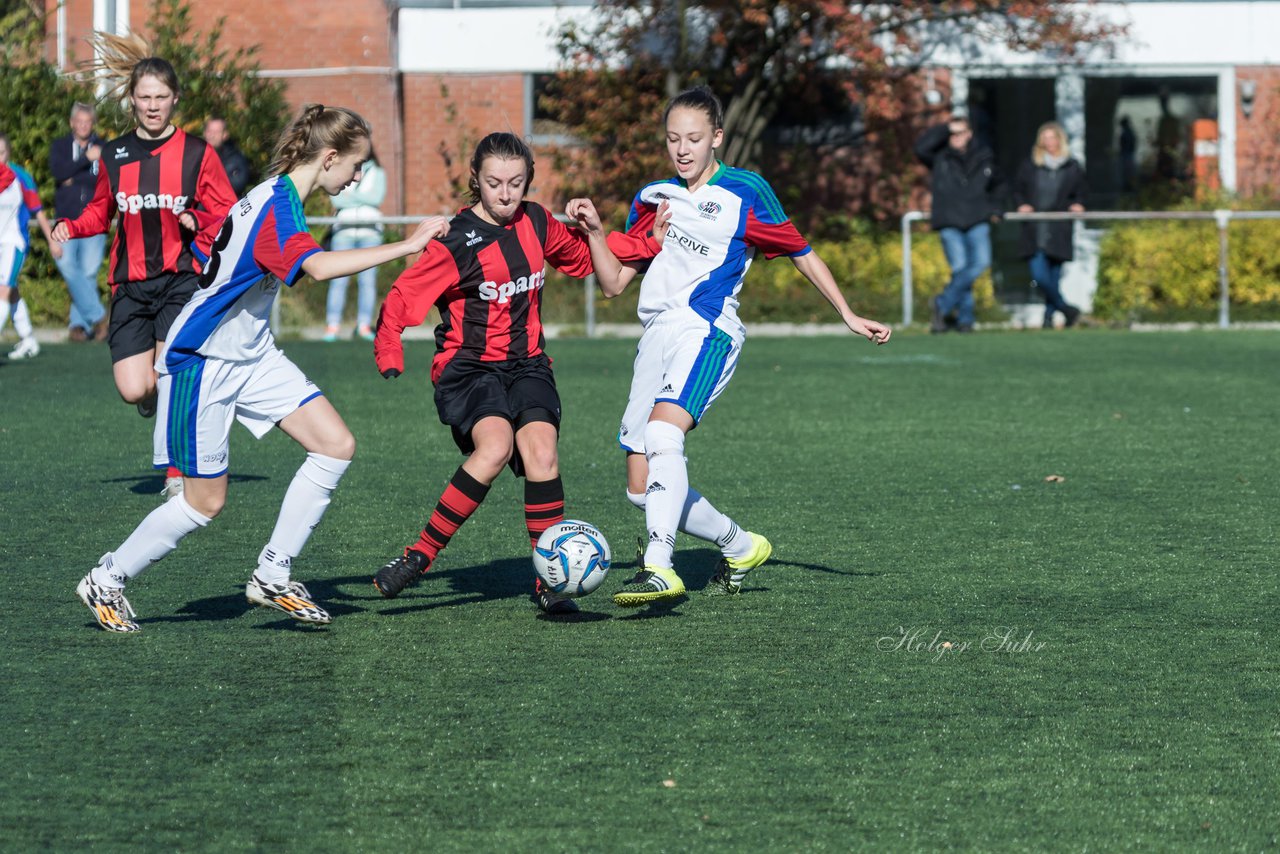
(22, 319)
(304, 504)
(665, 490)
(701, 519)
(158, 535)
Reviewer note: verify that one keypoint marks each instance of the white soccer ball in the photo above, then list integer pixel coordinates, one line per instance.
(571, 558)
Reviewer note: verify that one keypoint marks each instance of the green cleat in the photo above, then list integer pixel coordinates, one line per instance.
(651, 584)
(731, 571)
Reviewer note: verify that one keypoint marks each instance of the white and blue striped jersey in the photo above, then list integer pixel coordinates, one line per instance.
(712, 240)
(263, 242)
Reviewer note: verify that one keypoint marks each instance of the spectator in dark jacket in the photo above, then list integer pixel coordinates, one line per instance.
(1051, 180)
(966, 198)
(73, 161)
(239, 172)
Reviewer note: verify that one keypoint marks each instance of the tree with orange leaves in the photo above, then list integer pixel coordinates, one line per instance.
(769, 59)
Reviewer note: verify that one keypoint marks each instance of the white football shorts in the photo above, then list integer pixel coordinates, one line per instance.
(11, 258)
(684, 359)
(197, 406)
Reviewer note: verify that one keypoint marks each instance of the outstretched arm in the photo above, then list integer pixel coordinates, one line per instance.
(817, 272)
(347, 262)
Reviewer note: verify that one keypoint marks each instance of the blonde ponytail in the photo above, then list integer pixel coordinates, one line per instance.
(123, 60)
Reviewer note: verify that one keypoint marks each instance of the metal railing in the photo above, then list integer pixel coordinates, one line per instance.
(1222, 218)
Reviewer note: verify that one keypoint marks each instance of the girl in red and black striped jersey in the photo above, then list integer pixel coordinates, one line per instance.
(493, 382)
(169, 194)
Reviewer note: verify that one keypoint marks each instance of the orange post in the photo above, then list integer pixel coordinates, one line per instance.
(1204, 155)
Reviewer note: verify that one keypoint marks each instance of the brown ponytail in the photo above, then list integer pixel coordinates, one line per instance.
(316, 129)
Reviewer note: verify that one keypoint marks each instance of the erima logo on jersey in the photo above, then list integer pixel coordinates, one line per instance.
(710, 210)
(122, 152)
(473, 238)
(687, 242)
(151, 201)
(504, 292)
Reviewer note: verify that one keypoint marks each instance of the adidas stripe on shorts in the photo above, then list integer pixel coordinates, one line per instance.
(682, 358)
(197, 405)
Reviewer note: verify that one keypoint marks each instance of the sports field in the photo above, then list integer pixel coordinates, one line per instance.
(1110, 685)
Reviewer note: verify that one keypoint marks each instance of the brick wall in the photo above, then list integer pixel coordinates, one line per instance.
(444, 117)
(338, 53)
(1258, 137)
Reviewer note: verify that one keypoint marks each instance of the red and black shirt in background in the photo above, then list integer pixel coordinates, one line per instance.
(147, 184)
(487, 282)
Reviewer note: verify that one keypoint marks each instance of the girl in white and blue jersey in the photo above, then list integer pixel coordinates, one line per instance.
(719, 218)
(220, 364)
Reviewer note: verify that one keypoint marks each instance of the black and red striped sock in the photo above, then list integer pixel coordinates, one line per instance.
(460, 499)
(543, 506)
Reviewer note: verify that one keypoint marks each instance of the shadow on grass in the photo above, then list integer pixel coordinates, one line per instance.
(216, 608)
(151, 484)
(817, 567)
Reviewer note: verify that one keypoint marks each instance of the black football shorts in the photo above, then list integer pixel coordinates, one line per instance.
(143, 311)
(521, 390)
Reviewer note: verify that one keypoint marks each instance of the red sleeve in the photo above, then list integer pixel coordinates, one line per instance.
(7, 176)
(214, 197)
(97, 215)
(283, 242)
(31, 199)
(411, 297)
(566, 249)
(775, 239)
(636, 243)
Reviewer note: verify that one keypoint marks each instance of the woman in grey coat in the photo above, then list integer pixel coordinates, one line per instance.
(1051, 180)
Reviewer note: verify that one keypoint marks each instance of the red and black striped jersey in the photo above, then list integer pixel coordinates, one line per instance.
(487, 282)
(148, 185)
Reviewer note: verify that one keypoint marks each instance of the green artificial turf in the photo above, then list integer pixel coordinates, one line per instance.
(1111, 683)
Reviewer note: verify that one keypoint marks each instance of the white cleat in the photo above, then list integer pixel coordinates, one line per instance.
(172, 488)
(112, 611)
(28, 348)
(292, 598)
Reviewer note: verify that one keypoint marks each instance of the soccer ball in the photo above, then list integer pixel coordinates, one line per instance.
(571, 558)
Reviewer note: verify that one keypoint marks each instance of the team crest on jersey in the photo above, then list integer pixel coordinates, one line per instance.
(710, 210)
(473, 238)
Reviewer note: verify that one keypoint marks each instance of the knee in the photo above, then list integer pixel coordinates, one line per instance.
(342, 447)
(209, 505)
(541, 463)
(492, 457)
(135, 390)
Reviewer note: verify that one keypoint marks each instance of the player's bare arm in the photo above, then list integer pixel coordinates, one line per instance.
(347, 262)
(816, 271)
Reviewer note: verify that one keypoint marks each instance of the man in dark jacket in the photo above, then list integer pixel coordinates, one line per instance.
(233, 160)
(73, 161)
(966, 199)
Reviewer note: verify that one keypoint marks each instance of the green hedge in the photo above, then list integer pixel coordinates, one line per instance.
(868, 269)
(1168, 270)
